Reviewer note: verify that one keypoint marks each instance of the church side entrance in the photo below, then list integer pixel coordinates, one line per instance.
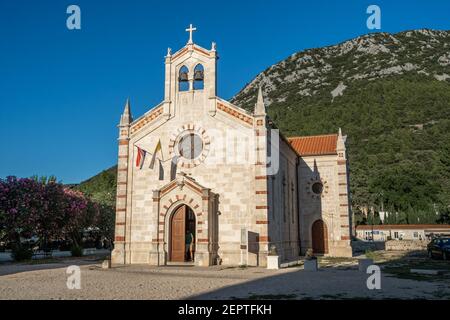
(182, 227)
(319, 237)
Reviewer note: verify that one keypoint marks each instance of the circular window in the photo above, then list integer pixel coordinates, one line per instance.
(190, 146)
(317, 187)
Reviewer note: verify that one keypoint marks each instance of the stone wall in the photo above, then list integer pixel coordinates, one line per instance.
(406, 245)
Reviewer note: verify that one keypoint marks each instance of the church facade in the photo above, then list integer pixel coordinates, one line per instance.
(198, 167)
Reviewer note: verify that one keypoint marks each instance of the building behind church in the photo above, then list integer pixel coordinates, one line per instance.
(197, 164)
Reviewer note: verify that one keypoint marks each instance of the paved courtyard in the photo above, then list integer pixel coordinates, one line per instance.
(337, 279)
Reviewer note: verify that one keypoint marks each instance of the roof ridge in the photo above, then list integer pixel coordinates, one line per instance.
(313, 136)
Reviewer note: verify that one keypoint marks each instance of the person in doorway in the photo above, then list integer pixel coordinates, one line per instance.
(189, 245)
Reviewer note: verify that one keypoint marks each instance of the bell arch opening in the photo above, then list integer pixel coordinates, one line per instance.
(199, 77)
(183, 79)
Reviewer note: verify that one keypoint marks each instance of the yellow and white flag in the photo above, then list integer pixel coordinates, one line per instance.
(157, 149)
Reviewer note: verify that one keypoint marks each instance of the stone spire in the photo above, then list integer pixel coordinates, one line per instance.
(340, 145)
(260, 109)
(126, 118)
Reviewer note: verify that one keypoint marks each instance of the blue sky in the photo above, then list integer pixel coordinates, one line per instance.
(62, 91)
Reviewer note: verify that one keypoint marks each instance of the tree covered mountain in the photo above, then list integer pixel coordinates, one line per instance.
(390, 93)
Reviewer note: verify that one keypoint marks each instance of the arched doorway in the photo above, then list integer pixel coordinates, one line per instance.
(181, 225)
(319, 234)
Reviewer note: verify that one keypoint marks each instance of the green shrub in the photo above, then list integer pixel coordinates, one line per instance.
(76, 251)
(21, 253)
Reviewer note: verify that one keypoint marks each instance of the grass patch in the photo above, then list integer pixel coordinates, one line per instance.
(374, 255)
(401, 269)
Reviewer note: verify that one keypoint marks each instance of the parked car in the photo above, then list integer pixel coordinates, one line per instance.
(439, 247)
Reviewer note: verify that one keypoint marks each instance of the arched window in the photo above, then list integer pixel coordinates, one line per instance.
(199, 77)
(183, 80)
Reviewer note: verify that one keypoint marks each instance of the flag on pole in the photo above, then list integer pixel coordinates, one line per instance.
(157, 149)
(140, 157)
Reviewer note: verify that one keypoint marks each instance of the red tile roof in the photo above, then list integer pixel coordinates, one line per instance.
(403, 226)
(314, 145)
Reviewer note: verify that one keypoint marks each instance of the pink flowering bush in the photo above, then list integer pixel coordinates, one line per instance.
(45, 208)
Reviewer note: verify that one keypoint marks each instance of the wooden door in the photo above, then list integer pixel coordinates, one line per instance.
(177, 234)
(319, 237)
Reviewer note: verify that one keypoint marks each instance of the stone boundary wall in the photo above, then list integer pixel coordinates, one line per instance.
(406, 245)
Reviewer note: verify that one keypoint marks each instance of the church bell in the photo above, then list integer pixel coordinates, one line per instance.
(183, 77)
(198, 75)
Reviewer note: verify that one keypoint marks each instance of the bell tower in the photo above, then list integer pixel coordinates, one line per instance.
(190, 74)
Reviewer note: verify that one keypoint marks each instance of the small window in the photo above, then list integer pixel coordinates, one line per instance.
(199, 77)
(183, 79)
(415, 234)
(317, 187)
(396, 235)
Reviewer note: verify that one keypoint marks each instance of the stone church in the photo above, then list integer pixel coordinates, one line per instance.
(198, 167)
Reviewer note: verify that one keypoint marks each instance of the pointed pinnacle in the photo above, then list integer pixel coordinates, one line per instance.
(260, 108)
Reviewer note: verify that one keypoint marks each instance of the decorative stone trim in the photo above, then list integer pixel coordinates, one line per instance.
(201, 51)
(120, 238)
(341, 162)
(123, 142)
(263, 239)
(168, 188)
(147, 119)
(235, 113)
(179, 53)
(182, 200)
(260, 133)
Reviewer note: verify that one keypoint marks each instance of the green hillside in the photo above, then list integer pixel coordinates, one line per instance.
(101, 187)
(391, 95)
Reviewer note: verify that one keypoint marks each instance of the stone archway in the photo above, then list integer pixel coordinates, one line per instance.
(319, 235)
(185, 191)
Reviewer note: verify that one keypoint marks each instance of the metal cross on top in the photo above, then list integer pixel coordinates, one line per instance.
(190, 30)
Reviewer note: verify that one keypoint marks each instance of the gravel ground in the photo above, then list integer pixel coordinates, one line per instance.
(48, 281)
